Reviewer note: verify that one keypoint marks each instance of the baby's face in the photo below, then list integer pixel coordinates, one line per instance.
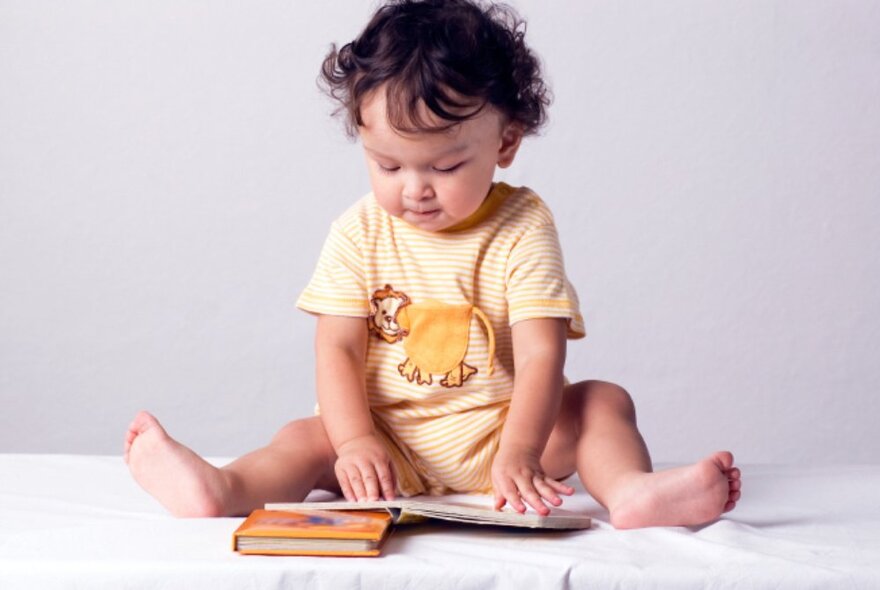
(434, 180)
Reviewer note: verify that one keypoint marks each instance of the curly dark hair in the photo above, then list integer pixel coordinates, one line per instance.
(453, 56)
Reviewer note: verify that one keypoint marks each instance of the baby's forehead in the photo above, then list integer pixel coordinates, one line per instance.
(411, 116)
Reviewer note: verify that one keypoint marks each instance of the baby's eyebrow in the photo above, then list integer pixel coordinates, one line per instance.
(456, 149)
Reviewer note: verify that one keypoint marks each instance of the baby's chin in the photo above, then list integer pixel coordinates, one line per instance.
(435, 220)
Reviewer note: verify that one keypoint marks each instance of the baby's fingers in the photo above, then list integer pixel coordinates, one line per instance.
(388, 483)
(500, 501)
(380, 481)
(356, 480)
(371, 483)
(345, 486)
(547, 491)
(559, 487)
(550, 488)
(351, 482)
(529, 492)
(506, 492)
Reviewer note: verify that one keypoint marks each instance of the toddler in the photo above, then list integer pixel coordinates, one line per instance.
(443, 309)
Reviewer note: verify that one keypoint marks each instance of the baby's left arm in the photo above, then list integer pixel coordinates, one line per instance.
(539, 356)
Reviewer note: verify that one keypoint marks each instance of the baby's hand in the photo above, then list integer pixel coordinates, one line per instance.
(517, 476)
(363, 468)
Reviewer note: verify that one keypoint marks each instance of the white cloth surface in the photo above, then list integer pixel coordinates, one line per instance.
(72, 521)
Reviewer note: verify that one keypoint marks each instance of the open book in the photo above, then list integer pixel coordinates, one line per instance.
(457, 508)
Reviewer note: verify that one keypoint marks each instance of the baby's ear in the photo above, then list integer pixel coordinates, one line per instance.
(511, 138)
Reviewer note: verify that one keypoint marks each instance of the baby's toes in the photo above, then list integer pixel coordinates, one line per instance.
(732, 498)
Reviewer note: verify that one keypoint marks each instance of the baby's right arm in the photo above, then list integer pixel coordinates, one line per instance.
(363, 466)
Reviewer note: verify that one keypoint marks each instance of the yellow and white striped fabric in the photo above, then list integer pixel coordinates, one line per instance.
(434, 301)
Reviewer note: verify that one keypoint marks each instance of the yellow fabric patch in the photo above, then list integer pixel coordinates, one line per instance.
(438, 334)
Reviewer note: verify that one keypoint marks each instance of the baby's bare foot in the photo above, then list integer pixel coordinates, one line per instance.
(690, 495)
(179, 479)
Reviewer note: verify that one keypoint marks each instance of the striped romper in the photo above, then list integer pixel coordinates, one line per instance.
(439, 306)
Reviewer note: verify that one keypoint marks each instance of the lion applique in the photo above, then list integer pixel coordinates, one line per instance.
(435, 336)
(385, 305)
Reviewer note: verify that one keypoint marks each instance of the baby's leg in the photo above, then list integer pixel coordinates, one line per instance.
(297, 460)
(596, 434)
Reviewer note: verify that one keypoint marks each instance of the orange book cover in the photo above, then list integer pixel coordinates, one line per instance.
(312, 532)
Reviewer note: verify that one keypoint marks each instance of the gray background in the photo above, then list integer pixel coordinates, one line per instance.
(168, 171)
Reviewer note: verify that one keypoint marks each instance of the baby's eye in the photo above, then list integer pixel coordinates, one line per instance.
(450, 169)
(388, 169)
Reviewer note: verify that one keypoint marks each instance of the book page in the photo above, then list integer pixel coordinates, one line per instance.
(468, 508)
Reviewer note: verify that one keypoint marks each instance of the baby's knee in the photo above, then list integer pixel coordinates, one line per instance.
(304, 435)
(601, 396)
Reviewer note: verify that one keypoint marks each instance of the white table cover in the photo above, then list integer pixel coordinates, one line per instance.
(73, 521)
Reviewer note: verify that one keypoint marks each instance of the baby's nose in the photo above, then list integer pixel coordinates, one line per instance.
(417, 188)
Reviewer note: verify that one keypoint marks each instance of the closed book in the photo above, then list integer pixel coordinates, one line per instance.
(312, 532)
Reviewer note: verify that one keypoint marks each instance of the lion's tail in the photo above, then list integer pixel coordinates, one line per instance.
(491, 334)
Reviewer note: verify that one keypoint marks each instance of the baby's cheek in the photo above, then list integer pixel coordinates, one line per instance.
(390, 203)
(463, 205)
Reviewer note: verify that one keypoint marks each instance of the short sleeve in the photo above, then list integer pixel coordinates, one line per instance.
(338, 286)
(536, 283)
